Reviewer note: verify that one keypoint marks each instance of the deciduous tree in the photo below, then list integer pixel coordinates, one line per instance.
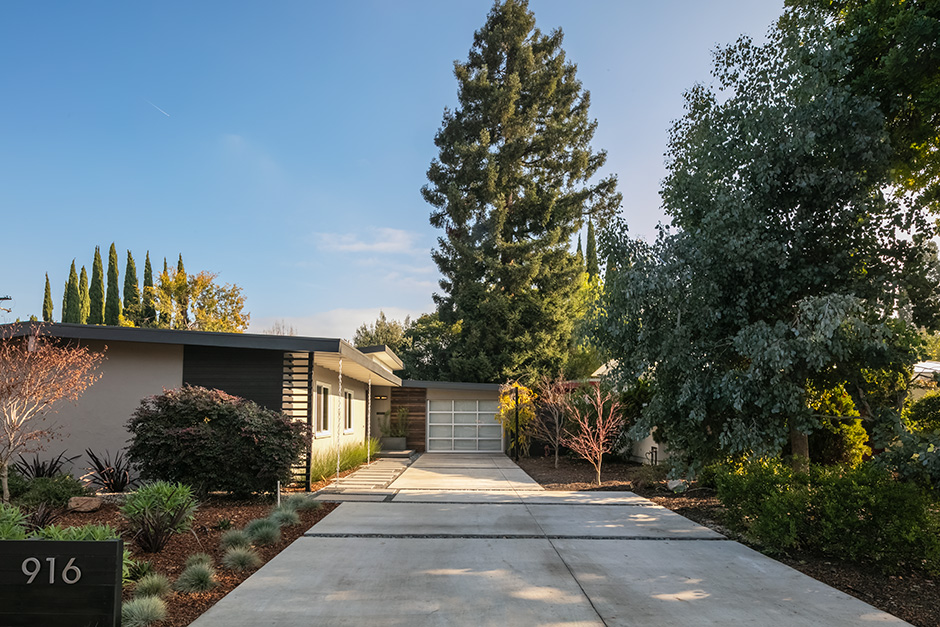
(512, 184)
(551, 411)
(196, 302)
(594, 423)
(36, 374)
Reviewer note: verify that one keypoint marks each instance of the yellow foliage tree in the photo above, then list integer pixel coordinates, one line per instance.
(507, 413)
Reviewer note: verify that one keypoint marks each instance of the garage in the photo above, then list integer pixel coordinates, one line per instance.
(464, 425)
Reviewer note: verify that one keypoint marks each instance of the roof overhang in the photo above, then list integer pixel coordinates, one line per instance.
(327, 351)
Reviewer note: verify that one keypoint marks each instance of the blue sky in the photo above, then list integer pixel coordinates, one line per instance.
(283, 145)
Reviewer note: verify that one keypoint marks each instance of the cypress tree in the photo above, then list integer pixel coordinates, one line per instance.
(47, 302)
(84, 302)
(72, 311)
(112, 305)
(510, 187)
(182, 291)
(148, 312)
(131, 291)
(96, 291)
(580, 252)
(593, 268)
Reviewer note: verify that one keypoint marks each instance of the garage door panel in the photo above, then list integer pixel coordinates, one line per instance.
(460, 425)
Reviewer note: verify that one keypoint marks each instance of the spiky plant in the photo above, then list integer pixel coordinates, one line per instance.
(152, 585)
(198, 558)
(263, 531)
(234, 538)
(196, 578)
(300, 503)
(142, 611)
(285, 517)
(241, 558)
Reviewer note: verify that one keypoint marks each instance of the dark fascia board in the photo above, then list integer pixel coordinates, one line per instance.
(452, 385)
(284, 343)
(378, 348)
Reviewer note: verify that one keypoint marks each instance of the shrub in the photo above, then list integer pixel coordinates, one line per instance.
(234, 538)
(323, 463)
(213, 441)
(198, 558)
(143, 611)
(109, 475)
(196, 578)
(42, 515)
(48, 468)
(16, 482)
(152, 585)
(263, 531)
(158, 510)
(241, 558)
(12, 523)
(53, 491)
(85, 533)
(161, 496)
(858, 514)
(284, 516)
(138, 569)
(924, 413)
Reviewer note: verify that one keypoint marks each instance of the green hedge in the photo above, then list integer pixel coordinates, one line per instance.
(859, 514)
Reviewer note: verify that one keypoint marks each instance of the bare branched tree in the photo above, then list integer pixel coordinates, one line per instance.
(550, 411)
(595, 421)
(35, 374)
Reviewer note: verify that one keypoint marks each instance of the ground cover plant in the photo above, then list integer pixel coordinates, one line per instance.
(213, 441)
(323, 463)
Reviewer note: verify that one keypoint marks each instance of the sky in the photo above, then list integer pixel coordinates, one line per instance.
(283, 145)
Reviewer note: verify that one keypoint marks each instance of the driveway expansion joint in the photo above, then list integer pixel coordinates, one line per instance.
(506, 536)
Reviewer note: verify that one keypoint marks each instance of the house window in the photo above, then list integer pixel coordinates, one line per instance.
(348, 410)
(323, 408)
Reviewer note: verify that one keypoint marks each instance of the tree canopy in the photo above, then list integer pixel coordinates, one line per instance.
(785, 267)
(512, 184)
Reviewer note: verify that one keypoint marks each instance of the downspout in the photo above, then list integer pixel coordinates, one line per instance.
(369, 423)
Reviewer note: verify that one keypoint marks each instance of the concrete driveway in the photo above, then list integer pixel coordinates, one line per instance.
(472, 540)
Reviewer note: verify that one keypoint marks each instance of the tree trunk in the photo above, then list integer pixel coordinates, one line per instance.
(599, 460)
(799, 450)
(556, 457)
(4, 479)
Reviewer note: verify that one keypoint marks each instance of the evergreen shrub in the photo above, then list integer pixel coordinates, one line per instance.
(213, 441)
(859, 514)
(924, 413)
(55, 491)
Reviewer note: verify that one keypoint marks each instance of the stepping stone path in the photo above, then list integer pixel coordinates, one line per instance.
(377, 475)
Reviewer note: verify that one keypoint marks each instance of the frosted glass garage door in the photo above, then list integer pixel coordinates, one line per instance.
(464, 426)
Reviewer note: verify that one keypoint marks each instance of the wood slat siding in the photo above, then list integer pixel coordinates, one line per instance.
(250, 373)
(415, 399)
(297, 386)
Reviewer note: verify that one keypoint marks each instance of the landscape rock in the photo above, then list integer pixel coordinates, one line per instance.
(84, 504)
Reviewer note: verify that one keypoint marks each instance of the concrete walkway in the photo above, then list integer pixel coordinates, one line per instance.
(472, 540)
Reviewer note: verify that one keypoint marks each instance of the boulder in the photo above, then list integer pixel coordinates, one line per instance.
(84, 504)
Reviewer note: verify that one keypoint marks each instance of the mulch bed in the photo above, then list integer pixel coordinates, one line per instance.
(910, 595)
(184, 608)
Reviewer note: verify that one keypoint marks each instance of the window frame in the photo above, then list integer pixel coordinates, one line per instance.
(323, 414)
(348, 400)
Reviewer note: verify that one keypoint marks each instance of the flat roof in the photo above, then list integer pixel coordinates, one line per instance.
(283, 343)
(451, 385)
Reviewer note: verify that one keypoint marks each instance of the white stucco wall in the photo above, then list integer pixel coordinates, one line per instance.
(337, 435)
(131, 371)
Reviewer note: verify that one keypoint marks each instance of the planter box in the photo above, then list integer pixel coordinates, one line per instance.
(393, 444)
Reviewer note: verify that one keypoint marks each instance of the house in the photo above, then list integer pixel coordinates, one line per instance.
(343, 393)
